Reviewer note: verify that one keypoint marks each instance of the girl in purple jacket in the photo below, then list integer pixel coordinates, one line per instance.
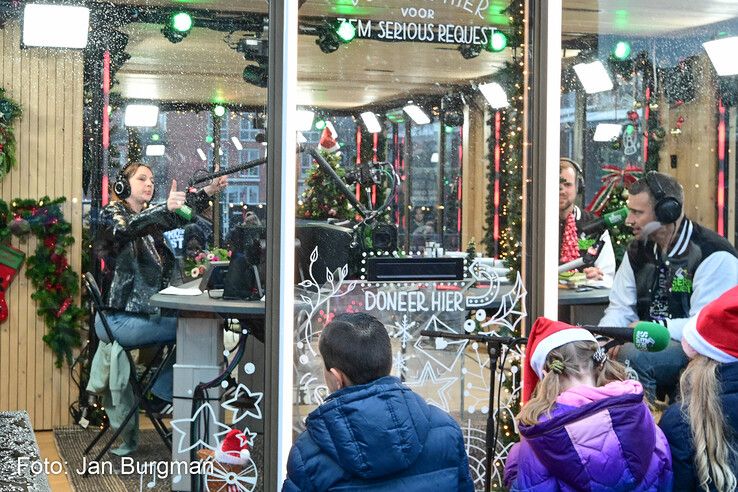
(586, 427)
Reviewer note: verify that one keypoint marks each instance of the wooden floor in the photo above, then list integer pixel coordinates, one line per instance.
(47, 446)
(45, 439)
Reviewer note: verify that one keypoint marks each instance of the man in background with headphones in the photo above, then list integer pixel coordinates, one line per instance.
(672, 268)
(573, 242)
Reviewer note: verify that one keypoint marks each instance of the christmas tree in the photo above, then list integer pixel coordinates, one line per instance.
(620, 235)
(322, 199)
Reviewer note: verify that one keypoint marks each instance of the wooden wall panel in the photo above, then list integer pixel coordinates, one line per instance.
(695, 148)
(474, 180)
(48, 86)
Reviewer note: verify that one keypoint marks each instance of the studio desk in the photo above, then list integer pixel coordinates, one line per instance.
(200, 358)
(582, 307)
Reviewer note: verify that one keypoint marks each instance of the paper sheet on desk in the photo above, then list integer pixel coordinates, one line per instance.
(179, 291)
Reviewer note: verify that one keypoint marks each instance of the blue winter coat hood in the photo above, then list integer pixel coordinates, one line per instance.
(371, 440)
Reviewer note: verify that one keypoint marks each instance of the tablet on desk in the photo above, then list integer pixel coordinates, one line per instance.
(214, 276)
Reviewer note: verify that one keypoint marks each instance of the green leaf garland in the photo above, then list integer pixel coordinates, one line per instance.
(9, 111)
(48, 269)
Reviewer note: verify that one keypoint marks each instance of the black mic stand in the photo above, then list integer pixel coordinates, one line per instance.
(494, 348)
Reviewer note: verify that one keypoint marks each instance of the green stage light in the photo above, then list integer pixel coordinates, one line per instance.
(346, 32)
(621, 50)
(219, 110)
(209, 139)
(178, 26)
(319, 124)
(181, 22)
(155, 137)
(497, 42)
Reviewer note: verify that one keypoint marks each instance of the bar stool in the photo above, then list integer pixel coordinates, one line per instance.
(140, 384)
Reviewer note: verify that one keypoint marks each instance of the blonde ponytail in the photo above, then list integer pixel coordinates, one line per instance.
(713, 454)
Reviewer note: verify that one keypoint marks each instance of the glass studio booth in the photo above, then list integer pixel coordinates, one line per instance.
(386, 156)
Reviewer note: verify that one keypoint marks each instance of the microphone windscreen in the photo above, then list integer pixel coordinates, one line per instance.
(650, 337)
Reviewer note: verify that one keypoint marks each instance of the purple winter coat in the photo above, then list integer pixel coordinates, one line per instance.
(596, 439)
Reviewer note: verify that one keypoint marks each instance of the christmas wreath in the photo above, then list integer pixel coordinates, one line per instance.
(9, 111)
(48, 269)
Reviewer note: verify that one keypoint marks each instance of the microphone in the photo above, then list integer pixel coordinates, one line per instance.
(587, 260)
(611, 219)
(184, 211)
(475, 337)
(647, 336)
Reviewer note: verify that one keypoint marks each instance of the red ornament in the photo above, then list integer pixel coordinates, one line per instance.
(680, 122)
(64, 306)
(633, 116)
(50, 242)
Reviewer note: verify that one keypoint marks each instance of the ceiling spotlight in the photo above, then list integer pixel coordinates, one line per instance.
(593, 76)
(722, 53)
(497, 42)
(155, 150)
(141, 115)
(621, 50)
(607, 132)
(256, 74)
(469, 51)
(219, 110)
(417, 114)
(178, 26)
(327, 41)
(494, 94)
(305, 120)
(55, 26)
(371, 122)
(346, 31)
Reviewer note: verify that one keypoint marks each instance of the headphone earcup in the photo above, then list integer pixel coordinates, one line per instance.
(122, 187)
(668, 210)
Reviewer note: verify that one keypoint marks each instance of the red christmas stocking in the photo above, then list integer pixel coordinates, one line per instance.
(11, 260)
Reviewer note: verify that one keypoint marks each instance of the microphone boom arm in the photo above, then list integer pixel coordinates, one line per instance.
(224, 172)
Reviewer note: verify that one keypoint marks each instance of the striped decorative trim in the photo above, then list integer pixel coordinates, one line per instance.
(685, 235)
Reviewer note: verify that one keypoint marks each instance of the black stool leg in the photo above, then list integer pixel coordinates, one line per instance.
(99, 435)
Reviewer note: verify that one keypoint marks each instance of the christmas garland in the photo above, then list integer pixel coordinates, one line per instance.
(9, 111)
(48, 269)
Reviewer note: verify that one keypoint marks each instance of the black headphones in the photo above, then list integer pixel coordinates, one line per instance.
(122, 187)
(579, 175)
(668, 209)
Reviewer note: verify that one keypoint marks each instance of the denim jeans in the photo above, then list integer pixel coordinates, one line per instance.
(656, 369)
(131, 330)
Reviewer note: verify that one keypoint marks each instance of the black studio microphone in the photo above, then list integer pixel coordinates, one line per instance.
(586, 260)
(611, 219)
(647, 336)
(476, 337)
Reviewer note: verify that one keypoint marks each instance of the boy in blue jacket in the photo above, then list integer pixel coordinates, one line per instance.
(372, 432)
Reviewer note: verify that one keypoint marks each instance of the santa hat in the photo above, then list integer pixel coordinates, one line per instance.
(544, 336)
(234, 450)
(713, 332)
(328, 141)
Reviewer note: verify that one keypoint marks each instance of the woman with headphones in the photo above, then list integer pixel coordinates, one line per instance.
(138, 262)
